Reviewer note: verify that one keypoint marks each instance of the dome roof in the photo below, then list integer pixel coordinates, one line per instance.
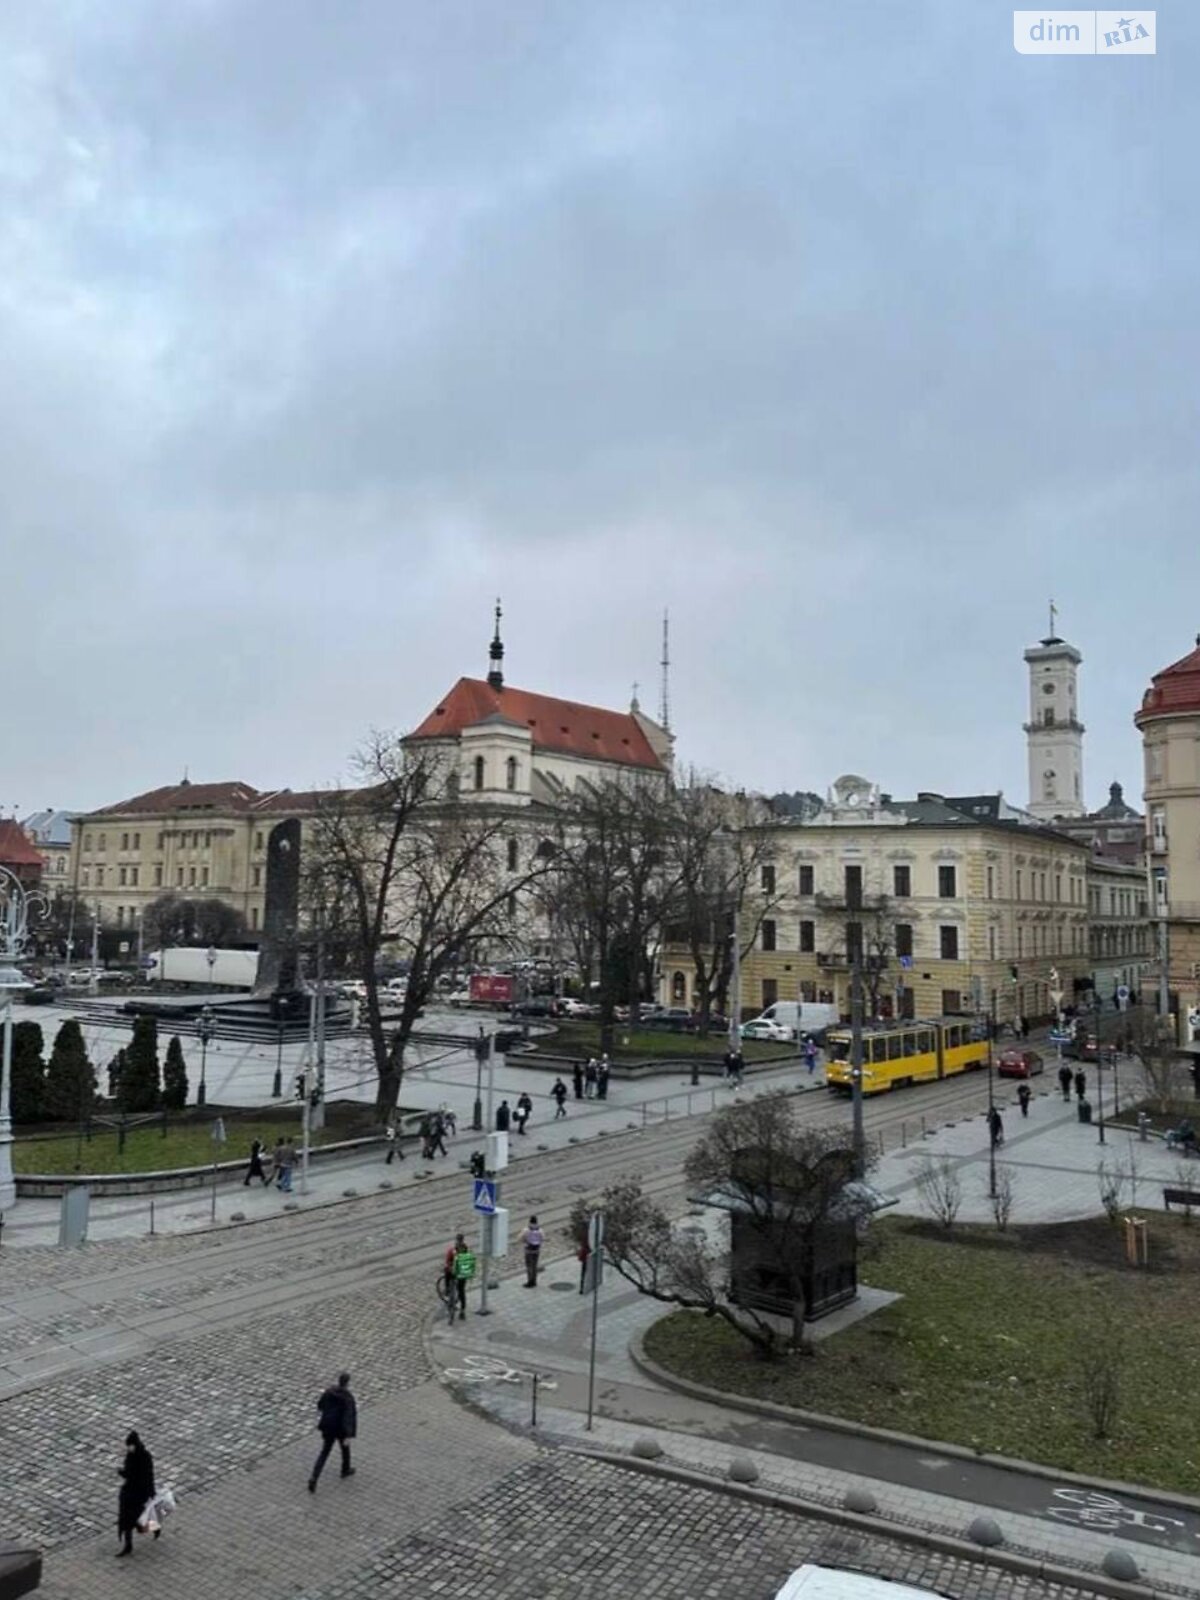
(1175, 691)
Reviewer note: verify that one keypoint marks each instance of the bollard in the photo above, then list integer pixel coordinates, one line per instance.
(533, 1409)
(904, 1136)
(152, 1218)
(923, 1133)
(1143, 1126)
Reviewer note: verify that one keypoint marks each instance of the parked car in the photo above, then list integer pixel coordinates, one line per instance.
(538, 1005)
(41, 994)
(677, 1018)
(577, 1008)
(1084, 1047)
(763, 1028)
(459, 997)
(1019, 1063)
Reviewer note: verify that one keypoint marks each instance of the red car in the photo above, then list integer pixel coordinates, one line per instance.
(1019, 1063)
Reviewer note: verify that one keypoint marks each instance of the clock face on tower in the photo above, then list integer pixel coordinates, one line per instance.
(1047, 688)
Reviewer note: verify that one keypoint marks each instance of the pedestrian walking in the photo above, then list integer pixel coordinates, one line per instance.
(394, 1150)
(602, 1071)
(256, 1168)
(559, 1092)
(137, 1490)
(1023, 1098)
(589, 1079)
(523, 1112)
(532, 1238)
(1064, 1082)
(1080, 1084)
(460, 1269)
(733, 1067)
(437, 1135)
(449, 1120)
(285, 1162)
(810, 1053)
(582, 1255)
(577, 1079)
(337, 1412)
(503, 1117)
(995, 1127)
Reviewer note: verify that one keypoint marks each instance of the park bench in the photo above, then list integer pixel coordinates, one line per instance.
(1181, 1197)
(20, 1571)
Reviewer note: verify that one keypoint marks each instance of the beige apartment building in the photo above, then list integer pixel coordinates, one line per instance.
(1169, 721)
(196, 840)
(1120, 933)
(970, 914)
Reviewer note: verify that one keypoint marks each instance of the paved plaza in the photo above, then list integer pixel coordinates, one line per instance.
(215, 1342)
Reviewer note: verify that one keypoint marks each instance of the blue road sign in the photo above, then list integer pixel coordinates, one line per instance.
(485, 1196)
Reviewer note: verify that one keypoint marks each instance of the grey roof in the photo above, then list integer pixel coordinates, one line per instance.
(49, 827)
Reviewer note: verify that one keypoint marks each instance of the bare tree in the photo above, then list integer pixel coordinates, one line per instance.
(415, 870)
(611, 881)
(1003, 1196)
(1152, 1042)
(783, 1182)
(723, 871)
(939, 1188)
(1101, 1363)
(1111, 1180)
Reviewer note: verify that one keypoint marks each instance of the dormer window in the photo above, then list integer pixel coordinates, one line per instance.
(510, 773)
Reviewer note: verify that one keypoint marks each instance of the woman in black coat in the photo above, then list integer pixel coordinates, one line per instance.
(137, 1488)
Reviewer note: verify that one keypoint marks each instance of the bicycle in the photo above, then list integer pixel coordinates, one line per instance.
(446, 1294)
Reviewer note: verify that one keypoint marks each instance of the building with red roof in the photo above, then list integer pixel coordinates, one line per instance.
(1169, 721)
(19, 854)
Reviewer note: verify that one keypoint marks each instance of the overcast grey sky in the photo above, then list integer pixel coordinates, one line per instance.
(844, 331)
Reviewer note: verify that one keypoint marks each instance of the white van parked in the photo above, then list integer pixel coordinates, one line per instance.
(801, 1016)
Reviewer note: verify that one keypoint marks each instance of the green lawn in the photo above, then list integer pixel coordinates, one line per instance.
(653, 1044)
(988, 1346)
(186, 1145)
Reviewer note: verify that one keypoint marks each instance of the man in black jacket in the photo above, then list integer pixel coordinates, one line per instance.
(338, 1423)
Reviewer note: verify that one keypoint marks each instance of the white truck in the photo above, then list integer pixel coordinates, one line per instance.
(801, 1016)
(206, 968)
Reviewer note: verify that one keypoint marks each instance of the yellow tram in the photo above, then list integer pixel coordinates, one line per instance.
(900, 1053)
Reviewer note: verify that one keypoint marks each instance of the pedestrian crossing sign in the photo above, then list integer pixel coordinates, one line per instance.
(485, 1195)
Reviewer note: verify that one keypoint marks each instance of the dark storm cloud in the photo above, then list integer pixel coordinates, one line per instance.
(850, 335)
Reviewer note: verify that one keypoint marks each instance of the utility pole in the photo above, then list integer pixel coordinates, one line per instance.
(856, 1061)
(318, 1111)
(486, 1220)
(991, 1029)
(735, 1009)
(1164, 976)
(94, 979)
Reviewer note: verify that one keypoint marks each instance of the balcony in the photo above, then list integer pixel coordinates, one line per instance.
(833, 961)
(1176, 910)
(841, 901)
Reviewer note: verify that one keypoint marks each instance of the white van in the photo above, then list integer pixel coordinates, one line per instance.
(801, 1016)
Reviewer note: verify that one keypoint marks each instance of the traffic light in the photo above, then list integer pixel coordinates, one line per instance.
(301, 1085)
(478, 1164)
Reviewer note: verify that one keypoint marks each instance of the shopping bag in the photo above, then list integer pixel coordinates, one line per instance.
(148, 1521)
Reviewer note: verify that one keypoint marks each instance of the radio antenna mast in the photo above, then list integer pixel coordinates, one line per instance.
(664, 700)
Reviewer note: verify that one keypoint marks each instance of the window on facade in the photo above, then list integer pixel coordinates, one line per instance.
(854, 941)
(947, 883)
(1058, 886)
(770, 992)
(806, 879)
(1017, 884)
(1048, 784)
(192, 877)
(258, 840)
(768, 935)
(1158, 826)
(1048, 716)
(254, 916)
(1020, 941)
(179, 877)
(853, 877)
(120, 916)
(87, 841)
(137, 841)
(208, 841)
(512, 905)
(162, 839)
(479, 772)
(768, 879)
(991, 883)
(991, 944)
(124, 841)
(904, 939)
(510, 773)
(512, 855)
(102, 841)
(87, 874)
(902, 881)
(256, 877)
(808, 936)
(99, 877)
(158, 875)
(204, 876)
(948, 943)
(951, 1004)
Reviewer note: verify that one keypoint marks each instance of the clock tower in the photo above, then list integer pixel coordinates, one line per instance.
(1054, 733)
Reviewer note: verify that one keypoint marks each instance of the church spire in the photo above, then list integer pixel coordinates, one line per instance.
(495, 675)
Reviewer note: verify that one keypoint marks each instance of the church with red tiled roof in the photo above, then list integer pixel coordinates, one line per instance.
(516, 746)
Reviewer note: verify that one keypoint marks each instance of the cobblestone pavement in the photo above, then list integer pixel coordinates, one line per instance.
(563, 1527)
(228, 1412)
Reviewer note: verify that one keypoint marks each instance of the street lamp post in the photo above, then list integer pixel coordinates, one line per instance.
(15, 902)
(205, 1027)
(481, 1055)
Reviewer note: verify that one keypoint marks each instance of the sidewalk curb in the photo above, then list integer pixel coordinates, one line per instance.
(910, 1441)
(880, 1528)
